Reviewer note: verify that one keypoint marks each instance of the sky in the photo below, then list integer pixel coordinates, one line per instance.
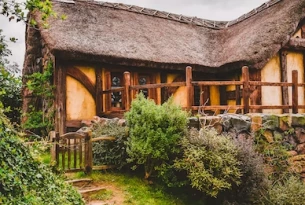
(208, 9)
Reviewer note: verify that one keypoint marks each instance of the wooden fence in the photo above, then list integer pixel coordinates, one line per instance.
(246, 91)
(73, 152)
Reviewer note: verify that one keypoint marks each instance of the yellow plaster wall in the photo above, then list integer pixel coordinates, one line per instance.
(180, 94)
(79, 103)
(89, 72)
(295, 62)
(272, 95)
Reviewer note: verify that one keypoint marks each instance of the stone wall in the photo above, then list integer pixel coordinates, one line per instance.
(290, 128)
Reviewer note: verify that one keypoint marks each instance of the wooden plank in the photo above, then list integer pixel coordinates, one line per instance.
(53, 149)
(73, 135)
(69, 153)
(164, 94)
(63, 155)
(126, 90)
(218, 107)
(109, 138)
(269, 83)
(256, 90)
(198, 83)
(82, 78)
(246, 89)
(284, 78)
(80, 148)
(189, 88)
(158, 85)
(74, 123)
(88, 153)
(270, 107)
(108, 87)
(61, 98)
(98, 92)
(117, 89)
(75, 153)
(295, 93)
(57, 138)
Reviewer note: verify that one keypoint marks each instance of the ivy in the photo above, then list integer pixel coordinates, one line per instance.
(23, 179)
(41, 121)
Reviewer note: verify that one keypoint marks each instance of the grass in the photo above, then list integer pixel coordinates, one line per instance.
(101, 195)
(140, 192)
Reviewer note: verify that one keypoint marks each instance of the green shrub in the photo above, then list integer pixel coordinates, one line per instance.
(287, 192)
(154, 133)
(275, 155)
(24, 180)
(110, 152)
(253, 179)
(210, 161)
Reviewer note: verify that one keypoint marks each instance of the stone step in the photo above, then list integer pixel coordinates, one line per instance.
(79, 182)
(90, 191)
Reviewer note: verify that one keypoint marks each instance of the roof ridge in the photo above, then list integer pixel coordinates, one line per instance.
(176, 17)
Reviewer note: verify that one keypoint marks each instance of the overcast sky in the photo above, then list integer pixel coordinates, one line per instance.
(207, 9)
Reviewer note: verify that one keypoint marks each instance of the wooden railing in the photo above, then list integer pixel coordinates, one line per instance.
(246, 84)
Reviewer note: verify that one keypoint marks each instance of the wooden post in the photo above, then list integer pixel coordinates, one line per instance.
(126, 89)
(295, 94)
(53, 141)
(284, 78)
(57, 138)
(88, 153)
(189, 88)
(98, 92)
(246, 89)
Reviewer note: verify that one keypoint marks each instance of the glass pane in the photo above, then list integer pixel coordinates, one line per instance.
(116, 97)
(143, 81)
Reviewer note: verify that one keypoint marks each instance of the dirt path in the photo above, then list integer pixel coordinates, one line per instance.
(99, 193)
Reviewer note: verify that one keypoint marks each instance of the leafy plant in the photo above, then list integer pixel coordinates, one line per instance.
(40, 119)
(24, 180)
(253, 180)
(10, 85)
(154, 133)
(287, 192)
(110, 152)
(275, 155)
(210, 161)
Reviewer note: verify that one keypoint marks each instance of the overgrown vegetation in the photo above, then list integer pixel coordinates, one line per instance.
(24, 180)
(275, 155)
(40, 118)
(210, 161)
(10, 85)
(110, 152)
(154, 133)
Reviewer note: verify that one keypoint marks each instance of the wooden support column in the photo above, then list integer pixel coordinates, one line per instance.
(88, 153)
(61, 99)
(126, 89)
(246, 89)
(189, 88)
(284, 78)
(295, 94)
(98, 92)
(164, 93)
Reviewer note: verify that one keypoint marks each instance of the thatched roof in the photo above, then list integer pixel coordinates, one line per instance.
(130, 35)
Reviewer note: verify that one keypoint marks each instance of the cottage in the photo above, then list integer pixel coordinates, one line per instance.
(99, 41)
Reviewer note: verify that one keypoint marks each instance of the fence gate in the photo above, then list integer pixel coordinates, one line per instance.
(72, 151)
